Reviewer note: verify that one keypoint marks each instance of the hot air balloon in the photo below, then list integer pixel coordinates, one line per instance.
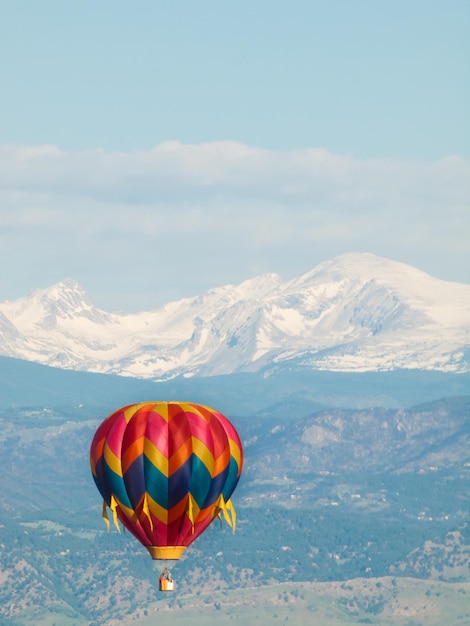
(166, 470)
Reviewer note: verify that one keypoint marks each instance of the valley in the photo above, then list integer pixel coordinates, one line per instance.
(351, 529)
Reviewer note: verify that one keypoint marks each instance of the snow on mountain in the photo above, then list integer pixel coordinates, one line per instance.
(356, 312)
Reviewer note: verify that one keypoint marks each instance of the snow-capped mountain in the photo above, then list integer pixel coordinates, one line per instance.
(356, 312)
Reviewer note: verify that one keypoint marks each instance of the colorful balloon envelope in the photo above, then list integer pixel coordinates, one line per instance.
(166, 470)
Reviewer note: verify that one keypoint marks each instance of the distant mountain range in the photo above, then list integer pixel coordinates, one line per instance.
(354, 313)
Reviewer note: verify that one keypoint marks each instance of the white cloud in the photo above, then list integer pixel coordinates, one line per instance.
(162, 216)
(230, 168)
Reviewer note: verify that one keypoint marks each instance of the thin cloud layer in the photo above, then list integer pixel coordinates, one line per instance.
(188, 217)
(230, 168)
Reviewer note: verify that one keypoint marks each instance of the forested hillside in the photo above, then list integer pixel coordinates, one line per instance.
(331, 497)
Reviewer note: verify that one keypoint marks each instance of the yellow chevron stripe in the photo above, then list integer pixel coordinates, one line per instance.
(235, 451)
(159, 407)
(156, 457)
(167, 516)
(112, 460)
(203, 453)
(162, 409)
(129, 412)
(129, 513)
(190, 408)
(158, 511)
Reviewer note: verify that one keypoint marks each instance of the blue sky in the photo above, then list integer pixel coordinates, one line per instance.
(152, 150)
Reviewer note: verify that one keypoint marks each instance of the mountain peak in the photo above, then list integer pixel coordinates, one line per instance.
(68, 284)
(260, 286)
(67, 292)
(362, 266)
(44, 308)
(356, 312)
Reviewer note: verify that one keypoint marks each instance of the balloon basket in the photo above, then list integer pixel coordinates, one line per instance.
(166, 582)
(167, 585)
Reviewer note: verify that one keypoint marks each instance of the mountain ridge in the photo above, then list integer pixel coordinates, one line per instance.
(357, 312)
